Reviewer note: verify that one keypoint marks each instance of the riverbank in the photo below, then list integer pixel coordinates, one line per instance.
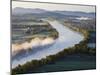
(30, 35)
(78, 51)
(65, 40)
(80, 57)
(43, 61)
(71, 62)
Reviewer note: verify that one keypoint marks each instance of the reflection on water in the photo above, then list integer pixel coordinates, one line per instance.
(67, 38)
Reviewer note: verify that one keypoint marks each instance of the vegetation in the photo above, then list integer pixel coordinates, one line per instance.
(83, 24)
(81, 48)
(28, 32)
(78, 48)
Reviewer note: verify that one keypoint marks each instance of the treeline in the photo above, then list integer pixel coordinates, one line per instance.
(84, 24)
(82, 47)
(31, 66)
(82, 31)
(35, 29)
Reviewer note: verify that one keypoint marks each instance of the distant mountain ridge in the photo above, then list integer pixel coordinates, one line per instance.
(19, 10)
(77, 13)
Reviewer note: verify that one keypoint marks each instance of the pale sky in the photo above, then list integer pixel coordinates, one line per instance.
(52, 7)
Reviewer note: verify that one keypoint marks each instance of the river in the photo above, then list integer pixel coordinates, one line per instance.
(67, 38)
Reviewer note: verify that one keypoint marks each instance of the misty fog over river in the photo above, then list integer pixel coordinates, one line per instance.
(67, 38)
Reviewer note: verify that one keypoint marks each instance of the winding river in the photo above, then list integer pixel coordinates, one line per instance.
(67, 38)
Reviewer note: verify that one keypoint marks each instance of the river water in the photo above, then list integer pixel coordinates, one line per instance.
(67, 38)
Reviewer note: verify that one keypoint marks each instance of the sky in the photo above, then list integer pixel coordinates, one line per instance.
(53, 7)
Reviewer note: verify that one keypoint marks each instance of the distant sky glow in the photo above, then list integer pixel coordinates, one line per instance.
(53, 7)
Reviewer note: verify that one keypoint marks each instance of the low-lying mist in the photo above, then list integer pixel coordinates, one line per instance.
(34, 43)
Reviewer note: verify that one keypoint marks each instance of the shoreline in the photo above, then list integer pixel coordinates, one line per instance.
(48, 56)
